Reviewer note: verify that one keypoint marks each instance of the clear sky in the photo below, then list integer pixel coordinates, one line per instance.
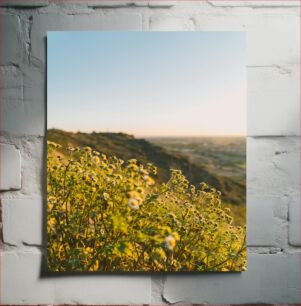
(147, 83)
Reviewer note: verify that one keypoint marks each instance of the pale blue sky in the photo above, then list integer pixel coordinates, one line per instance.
(147, 83)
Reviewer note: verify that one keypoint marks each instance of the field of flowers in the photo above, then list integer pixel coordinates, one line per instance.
(106, 214)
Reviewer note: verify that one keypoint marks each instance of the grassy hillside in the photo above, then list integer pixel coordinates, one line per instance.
(126, 147)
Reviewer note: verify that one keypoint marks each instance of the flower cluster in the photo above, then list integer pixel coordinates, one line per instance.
(105, 214)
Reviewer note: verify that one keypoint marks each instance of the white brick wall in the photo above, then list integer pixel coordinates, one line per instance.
(23, 221)
(274, 93)
(24, 284)
(24, 3)
(269, 279)
(273, 172)
(14, 45)
(10, 172)
(294, 220)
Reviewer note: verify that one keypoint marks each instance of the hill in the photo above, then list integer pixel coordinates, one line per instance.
(126, 147)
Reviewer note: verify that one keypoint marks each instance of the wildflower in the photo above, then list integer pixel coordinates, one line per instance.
(111, 167)
(51, 222)
(140, 190)
(133, 203)
(132, 161)
(133, 167)
(170, 242)
(88, 250)
(53, 144)
(51, 199)
(134, 199)
(49, 206)
(95, 267)
(143, 171)
(118, 177)
(160, 253)
(87, 149)
(106, 196)
(149, 181)
(96, 159)
(91, 221)
(176, 235)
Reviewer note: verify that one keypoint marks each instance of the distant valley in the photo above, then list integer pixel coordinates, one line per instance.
(218, 161)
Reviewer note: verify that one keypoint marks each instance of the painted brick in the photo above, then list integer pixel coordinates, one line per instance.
(22, 283)
(267, 34)
(294, 220)
(24, 3)
(31, 118)
(12, 99)
(27, 116)
(170, 23)
(269, 279)
(280, 207)
(22, 221)
(268, 215)
(260, 219)
(78, 5)
(159, 3)
(21, 280)
(213, 22)
(250, 3)
(92, 22)
(273, 101)
(121, 22)
(12, 40)
(11, 83)
(118, 3)
(113, 3)
(12, 95)
(268, 38)
(10, 167)
(273, 165)
(157, 288)
(23, 109)
(33, 167)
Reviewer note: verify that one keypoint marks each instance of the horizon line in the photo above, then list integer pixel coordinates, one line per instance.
(154, 135)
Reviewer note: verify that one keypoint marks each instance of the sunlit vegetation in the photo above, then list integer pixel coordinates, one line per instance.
(199, 159)
(109, 214)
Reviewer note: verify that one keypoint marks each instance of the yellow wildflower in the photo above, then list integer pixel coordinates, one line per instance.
(149, 181)
(170, 242)
(96, 159)
(106, 196)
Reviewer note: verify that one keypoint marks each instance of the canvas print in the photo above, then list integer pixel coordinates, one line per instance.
(146, 151)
